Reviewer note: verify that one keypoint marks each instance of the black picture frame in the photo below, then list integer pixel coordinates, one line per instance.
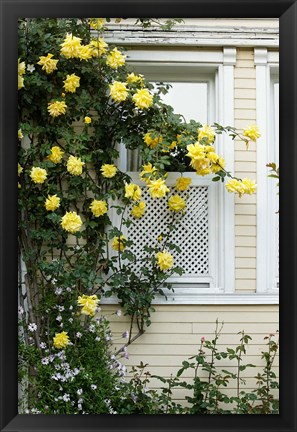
(286, 11)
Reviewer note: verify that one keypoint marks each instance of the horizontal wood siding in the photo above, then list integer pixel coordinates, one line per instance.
(245, 166)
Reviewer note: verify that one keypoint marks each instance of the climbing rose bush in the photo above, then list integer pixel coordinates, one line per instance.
(78, 100)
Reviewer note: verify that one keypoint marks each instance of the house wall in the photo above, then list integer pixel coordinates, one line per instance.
(176, 330)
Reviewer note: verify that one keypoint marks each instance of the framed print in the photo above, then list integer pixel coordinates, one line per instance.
(147, 247)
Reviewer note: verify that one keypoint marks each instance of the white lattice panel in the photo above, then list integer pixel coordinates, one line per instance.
(191, 235)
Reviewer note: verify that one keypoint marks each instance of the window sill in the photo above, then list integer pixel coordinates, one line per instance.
(211, 299)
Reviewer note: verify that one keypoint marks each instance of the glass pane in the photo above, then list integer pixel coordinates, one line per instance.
(188, 99)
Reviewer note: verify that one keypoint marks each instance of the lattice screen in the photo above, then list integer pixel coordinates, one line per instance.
(191, 235)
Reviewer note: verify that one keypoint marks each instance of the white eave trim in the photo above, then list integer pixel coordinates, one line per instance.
(194, 36)
(210, 299)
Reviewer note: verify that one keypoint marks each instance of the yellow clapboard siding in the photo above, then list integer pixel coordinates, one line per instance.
(245, 284)
(245, 252)
(244, 83)
(245, 209)
(245, 166)
(245, 231)
(244, 72)
(245, 263)
(243, 273)
(245, 241)
(245, 93)
(246, 155)
(245, 114)
(245, 220)
(246, 54)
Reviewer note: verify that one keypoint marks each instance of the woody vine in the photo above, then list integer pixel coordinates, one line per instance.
(78, 100)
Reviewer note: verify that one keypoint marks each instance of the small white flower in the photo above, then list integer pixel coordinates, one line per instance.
(97, 339)
(20, 310)
(70, 320)
(107, 338)
(66, 397)
(118, 312)
(62, 325)
(61, 308)
(32, 327)
(79, 391)
(70, 307)
(125, 335)
(80, 401)
(58, 291)
(42, 345)
(79, 407)
(45, 361)
(92, 328)
(68, 290)
(78, 335)
(93, 386)
(30, 67)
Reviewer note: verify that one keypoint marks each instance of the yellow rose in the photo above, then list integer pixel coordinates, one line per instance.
(183, 183)
(108, 170)
(143, 99)
(88, 120)
(176, 203)
(132, 78)
(97, 23)
(48, 63)
(196, 153)
(157, 188)
(75, 165)
(85, 52)
(71, 222)
(206, 132)
(38, 175)
(236, 186)
(71, 83)
(20, 169)
(118, 91)
(152, 142)
(61, 340)
(165, 260)
(88, 304)
(249, 186)
(252, 132)
(21, 71)
(56, 108)
(56, 154)
(20, 135)
(132, 191)
(118, 243)
(115, 59)
(52, 203)
(218, 165)
(98, 47)
(71, 46)
(98, 207)
(138, 210)
(148, 171)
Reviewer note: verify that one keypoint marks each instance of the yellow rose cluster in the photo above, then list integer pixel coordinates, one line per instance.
(75, 165)
(183, 183)
(206, 132)
(52, 203)
(71, 83)
(164, 260)
(252, 132)
(176, 203)
(61, 340)
(49, 65)
(56, 108)
(148, 171)
(132, 191)
(118, 91)
(38, 175)
(71, 222)
(204, 159)
(132, 78)
(97, 23)
(56, 154)
(152, 139)
(138, 210)
(108, 170)
(241, 187)
(98, 207)
(21, 72)
(72, 48)
(98, 47)
(157, 188)
(143, 99)
(88, 304)
(115, 59)
(118, 243)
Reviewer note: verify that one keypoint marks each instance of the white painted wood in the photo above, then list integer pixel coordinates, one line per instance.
(267, 151)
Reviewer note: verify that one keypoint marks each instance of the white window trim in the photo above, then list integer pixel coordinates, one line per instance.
(222, 61)
(266, 64)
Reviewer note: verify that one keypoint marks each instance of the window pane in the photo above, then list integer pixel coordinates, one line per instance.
(188, 99)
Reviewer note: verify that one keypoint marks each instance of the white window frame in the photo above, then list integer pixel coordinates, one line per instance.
(220, 63)
(267, 66)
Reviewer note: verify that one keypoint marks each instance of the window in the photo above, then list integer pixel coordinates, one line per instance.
(202, 89)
